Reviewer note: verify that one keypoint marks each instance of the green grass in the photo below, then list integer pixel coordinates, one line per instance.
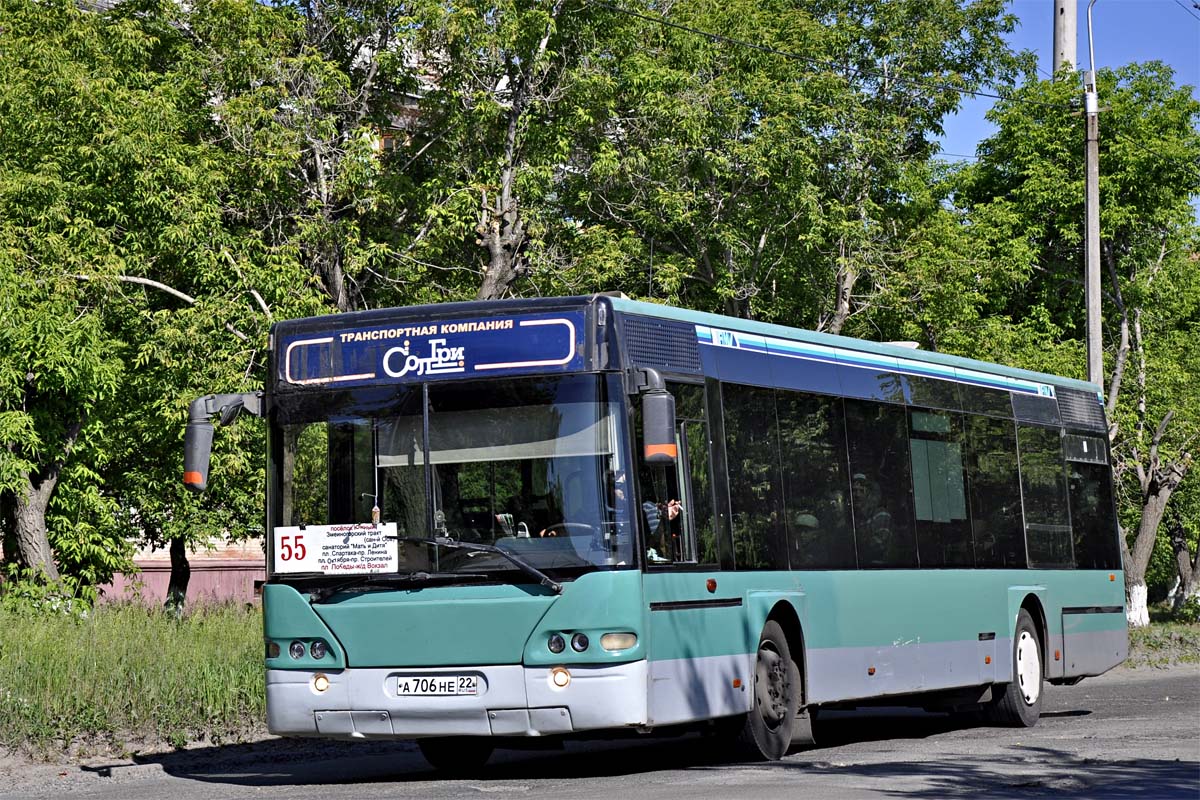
(1164, 643)
(126, 674)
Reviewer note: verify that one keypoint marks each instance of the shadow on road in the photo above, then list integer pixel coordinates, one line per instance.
(1017, 771)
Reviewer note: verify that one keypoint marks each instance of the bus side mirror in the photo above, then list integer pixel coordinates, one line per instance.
(658, 422)
(198, 436)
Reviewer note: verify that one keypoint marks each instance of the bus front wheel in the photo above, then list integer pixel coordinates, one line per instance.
(767, 732)
(457, 754)
(1019, 703)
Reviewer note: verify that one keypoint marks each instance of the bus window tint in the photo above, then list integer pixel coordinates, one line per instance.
(879, 484)
(816, 481)
(1043, 484)
(755, 485)
(1091, 516)
(995, 492)
(939, 494)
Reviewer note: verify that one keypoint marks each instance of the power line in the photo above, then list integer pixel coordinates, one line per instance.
(833, 67)
(1188, 10)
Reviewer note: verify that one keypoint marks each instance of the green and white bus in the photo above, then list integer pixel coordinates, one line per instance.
(545, 517)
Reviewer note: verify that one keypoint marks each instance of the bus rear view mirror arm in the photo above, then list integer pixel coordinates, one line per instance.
(197, 438)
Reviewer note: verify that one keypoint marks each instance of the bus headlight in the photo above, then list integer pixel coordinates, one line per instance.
(579, 642)
(556, 643)
(296, 650)
(318, 649)
(272, 649)
(618, 641)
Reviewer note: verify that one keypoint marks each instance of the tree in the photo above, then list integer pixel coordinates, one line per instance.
(762, 170)
(1027, 188)
(59, 361)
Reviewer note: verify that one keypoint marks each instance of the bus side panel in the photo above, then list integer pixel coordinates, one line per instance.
(700, 644)
(874, 633)
(1092, 613)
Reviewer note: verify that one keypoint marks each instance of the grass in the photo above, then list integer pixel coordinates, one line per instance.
(127, 677)
(125, 674)
(1164, 643)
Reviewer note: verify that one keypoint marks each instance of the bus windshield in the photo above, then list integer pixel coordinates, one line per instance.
(533, 466)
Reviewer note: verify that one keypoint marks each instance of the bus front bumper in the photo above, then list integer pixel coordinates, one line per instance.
(510, 700)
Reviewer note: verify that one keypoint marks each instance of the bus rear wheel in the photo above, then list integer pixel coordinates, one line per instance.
(457, 754)
(767, 731)
(1020, 703)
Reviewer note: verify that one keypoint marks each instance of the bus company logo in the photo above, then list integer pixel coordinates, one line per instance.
(725, 339)
(442, 360)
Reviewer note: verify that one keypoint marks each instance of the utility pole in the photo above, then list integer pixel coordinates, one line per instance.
(1091, 106)
(1065, 34)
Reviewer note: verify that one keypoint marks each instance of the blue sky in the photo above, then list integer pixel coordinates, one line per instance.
(1123, 31)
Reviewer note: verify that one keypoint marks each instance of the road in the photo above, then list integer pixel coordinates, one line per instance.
(1127, 734)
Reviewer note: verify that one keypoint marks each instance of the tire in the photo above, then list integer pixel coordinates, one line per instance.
(457, 754)
(1018, 703)
(766, 733)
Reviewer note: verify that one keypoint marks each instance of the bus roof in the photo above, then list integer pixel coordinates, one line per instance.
(643, 308)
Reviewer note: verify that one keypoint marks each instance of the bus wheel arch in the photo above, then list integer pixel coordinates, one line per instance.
(785, 615)
(777, 689)
(1018, 703)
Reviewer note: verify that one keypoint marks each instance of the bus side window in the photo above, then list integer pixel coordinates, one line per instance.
(879, 484)
(816, 481)
(1044, 491)
(939, 493)
(1090, 490)
(676, 503)
(755, 479)
(995, 492)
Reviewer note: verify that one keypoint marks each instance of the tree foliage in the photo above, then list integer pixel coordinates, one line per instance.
(174, 178)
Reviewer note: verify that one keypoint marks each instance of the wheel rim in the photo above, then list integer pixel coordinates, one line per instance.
(772, 685)
(1029, 667)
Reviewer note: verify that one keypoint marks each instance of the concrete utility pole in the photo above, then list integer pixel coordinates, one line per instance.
(1091, 106)
(1065, 35)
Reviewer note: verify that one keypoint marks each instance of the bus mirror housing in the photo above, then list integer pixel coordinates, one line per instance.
(658, 420)
(198, 436)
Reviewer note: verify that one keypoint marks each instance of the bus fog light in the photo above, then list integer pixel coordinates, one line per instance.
(556, 643)
(560, 677)
(318, 649)
(296, 649)
(579, 642)
(618, 641)
(320, 682)
(272, 649)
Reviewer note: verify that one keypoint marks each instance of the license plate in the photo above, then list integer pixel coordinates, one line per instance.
(436, 685)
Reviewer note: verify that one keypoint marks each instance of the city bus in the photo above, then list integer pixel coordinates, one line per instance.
(493, 521)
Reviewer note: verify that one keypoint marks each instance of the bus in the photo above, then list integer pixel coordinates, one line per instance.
(492, 521)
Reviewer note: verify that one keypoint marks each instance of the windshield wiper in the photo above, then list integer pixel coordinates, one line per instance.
(517, 561)
(394, 579)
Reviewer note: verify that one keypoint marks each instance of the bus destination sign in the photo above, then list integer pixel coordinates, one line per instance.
(448, 348)
(336, 549)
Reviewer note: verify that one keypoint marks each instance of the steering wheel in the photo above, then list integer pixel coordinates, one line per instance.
(568, 529)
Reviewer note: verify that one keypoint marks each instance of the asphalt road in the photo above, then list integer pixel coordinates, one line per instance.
(1128, 734)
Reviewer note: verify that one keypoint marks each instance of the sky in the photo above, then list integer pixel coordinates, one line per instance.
(1123, 31)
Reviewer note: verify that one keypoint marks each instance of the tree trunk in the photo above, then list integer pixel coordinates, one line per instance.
(1188, 564)
(29, 512)
(181, 573)
(1136, 611)
(1154, 505)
